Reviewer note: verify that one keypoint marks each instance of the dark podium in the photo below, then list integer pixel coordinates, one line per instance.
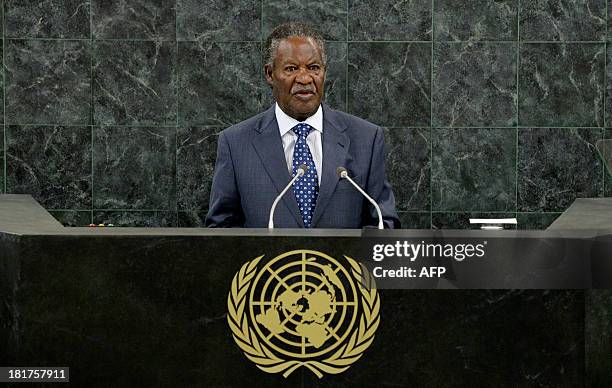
(148, 307)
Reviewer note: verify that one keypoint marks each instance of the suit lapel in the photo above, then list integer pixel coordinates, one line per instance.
(335, 147)
(269, 148)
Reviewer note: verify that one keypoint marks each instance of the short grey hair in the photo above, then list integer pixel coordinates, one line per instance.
(286, 30)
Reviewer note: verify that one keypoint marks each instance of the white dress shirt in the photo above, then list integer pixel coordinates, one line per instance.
(286, 123)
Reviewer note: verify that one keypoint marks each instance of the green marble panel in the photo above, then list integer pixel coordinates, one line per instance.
(562, 20)
(72, 218)
(218, 20)
(195, 162)
(47, 82)
(52, 163)
(140, 219)
(415, 220)
(608, 175)
(336, 82)
(46, 19)
(134, 83)
(192, 219)
(219, 83)
(474, 84)
(461, 220)
(134, 168)
(608, 106)
(390, 20)
(473, 169)
(459, 20)
(2, 83)
(133, 19)
(328, 16)
(529, 221)
(390, 83)
(561, 84)
(556, 166)
(408, 167)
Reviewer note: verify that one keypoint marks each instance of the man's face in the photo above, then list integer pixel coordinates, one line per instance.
(297, 76)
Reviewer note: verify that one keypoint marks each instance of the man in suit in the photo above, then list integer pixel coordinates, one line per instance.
(258, 157)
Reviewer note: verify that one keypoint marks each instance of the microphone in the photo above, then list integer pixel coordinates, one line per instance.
(341, 171)
(300, 172)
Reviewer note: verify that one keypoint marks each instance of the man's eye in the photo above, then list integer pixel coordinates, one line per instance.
(291, 68)
(314, 67)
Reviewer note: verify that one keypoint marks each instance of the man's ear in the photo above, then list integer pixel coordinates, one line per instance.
(268, 73)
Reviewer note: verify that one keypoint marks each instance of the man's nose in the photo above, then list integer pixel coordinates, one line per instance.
(303, 76)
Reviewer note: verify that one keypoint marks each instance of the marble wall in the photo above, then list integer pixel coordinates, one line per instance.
(111, 109)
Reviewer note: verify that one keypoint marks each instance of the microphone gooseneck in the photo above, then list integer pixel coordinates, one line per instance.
(341, 171)
(298, 173)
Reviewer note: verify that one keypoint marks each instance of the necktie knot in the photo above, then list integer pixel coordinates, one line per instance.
(302, 130)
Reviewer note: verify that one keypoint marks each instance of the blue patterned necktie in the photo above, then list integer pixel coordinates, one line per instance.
(306, 188)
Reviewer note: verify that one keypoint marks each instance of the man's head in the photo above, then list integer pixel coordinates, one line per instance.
(295, 66)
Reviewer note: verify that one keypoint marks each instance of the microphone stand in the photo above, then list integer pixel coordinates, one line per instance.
(300, 172)
(341, 171)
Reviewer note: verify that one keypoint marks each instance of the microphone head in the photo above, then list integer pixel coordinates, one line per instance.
(341, 171)
(304, 168)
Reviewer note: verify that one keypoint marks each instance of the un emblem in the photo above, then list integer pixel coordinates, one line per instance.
(303, 309)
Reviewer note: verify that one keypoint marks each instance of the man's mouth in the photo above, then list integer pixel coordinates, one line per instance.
(304, 93)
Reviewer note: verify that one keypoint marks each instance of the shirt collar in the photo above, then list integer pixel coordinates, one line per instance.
(286, 122)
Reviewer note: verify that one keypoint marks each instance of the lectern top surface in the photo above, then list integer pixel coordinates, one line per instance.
(586, 213)
(21, 215)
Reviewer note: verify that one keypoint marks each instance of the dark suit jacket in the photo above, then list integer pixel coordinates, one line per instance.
(251, 171)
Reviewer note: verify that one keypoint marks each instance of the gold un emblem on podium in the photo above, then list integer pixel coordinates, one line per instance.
(303, 309)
